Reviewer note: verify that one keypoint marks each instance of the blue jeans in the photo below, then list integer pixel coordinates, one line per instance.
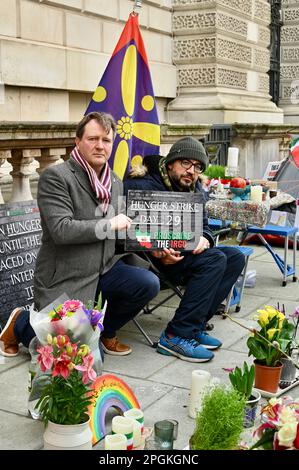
(208, 278)
(127, 290)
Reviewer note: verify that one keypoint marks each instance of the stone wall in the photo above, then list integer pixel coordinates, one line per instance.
(289, 90)
(53, 53)
(221, 51)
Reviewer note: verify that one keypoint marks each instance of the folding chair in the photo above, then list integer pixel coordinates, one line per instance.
(167, 284)
(236, 293)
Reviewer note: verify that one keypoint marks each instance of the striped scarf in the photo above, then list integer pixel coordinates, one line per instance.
(100, 185)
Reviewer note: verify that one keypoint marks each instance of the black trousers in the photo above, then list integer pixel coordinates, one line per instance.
(208, 278)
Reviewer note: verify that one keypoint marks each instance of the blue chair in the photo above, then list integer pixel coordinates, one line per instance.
(286, 269)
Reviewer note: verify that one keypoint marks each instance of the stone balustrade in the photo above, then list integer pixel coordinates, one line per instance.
(26, 149)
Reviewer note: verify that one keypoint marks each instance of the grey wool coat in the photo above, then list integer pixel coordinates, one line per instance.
(72, 257)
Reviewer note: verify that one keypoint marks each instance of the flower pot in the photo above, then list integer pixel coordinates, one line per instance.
(267, 378)
(288, 372)
(250, 409)
(68, 436)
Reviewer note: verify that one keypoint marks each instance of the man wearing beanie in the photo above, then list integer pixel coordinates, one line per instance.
(208, 273)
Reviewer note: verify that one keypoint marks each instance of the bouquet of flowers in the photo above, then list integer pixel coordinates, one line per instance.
(66, 396)
(82, 324)
(280, 428)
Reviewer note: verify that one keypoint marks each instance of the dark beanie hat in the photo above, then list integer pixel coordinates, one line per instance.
(188, 148)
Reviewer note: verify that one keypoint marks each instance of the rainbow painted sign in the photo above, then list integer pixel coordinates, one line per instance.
(110, 391)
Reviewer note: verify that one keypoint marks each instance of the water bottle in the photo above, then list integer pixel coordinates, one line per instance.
(33, 396)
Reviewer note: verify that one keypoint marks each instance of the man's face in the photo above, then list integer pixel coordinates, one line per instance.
(95, 145)
(181, 176)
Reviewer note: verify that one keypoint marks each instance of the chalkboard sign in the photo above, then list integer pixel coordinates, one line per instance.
(164, 220)
(20, 238)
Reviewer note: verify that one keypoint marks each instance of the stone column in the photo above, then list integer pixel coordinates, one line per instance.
(289, 89)
(221, 53)
(4, 156)
(50, 157)
(21, 161)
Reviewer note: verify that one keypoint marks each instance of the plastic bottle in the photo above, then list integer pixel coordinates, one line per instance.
(33, 396)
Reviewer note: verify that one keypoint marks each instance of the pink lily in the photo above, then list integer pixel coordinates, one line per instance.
(88, 373)
(62, 366)
(45, 357)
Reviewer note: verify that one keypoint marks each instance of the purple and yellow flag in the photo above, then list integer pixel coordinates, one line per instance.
(126, 92)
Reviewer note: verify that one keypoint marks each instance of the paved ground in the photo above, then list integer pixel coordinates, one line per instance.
(161, 383)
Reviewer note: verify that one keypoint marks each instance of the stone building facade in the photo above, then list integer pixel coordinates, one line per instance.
(205, 55)
(209, 61)
(53, 53)
(289, 94)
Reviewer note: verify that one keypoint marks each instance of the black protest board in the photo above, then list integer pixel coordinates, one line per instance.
(164, 220)
(20, 239)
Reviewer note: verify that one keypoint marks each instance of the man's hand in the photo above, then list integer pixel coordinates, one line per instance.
(120, 222)
(203, 245)
(168, 256)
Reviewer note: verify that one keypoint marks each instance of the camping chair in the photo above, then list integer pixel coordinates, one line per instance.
(167, 284)
(236, 293)
(235, 296)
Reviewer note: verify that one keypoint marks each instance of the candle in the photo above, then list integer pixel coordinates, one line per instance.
(123, 425)
(115, 442)
(136, 433)
(232, 157)
(256, 193)
(200, 382)
(137, 414)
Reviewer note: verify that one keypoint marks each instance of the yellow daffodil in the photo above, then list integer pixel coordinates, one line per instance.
(263, 317)
(271, 332)
(272, 312)
(281, 319)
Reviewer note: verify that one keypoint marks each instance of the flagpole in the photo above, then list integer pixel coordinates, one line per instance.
(137, 7)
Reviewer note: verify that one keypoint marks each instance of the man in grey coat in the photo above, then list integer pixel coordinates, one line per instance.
(81, 216)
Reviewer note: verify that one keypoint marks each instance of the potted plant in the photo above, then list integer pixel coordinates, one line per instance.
(219, 423)
(242, 381)
(288, 372)
(65, 398)
(215, 172)
(268, 346)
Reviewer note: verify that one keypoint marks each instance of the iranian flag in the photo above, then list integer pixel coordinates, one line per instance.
(294, 147)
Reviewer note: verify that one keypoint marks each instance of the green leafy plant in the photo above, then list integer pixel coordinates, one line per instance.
(215, 171)
(219, 424)
(270, 343)
(67, 395)
(292, 330)
(242, 380)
